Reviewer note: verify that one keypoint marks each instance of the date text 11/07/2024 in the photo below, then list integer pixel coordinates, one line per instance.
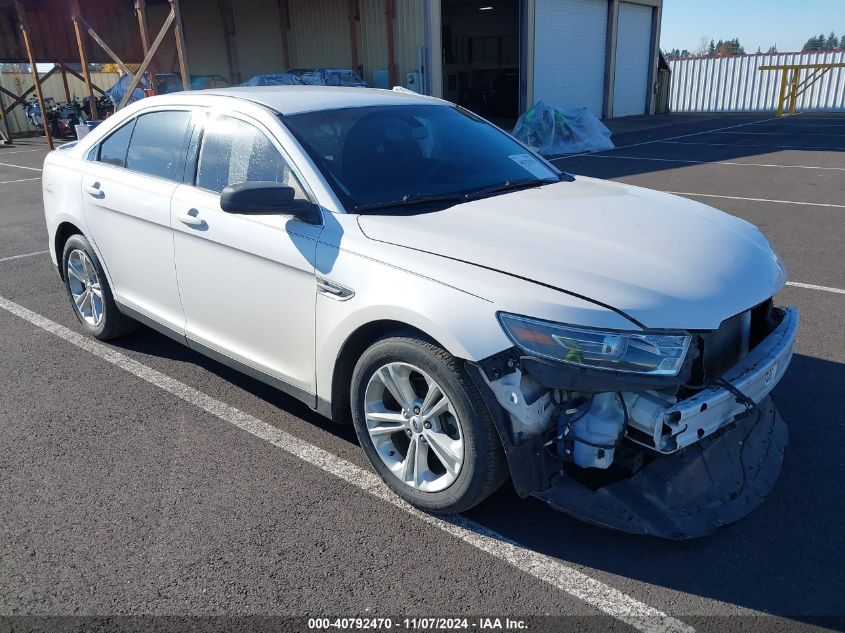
(417, 624)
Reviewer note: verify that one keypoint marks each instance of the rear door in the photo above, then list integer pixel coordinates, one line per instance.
(127, 190)
(247, 281)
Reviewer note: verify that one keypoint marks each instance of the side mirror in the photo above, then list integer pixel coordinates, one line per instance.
(267, 198)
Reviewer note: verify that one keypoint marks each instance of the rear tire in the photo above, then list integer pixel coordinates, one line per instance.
(424, 426)
(90, 294)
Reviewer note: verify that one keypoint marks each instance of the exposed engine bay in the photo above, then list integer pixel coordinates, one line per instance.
(607, 445)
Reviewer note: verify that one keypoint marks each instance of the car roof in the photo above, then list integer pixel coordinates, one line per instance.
(297, 99)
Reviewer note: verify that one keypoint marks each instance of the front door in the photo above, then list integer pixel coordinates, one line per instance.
(127, 192)
(246, 281)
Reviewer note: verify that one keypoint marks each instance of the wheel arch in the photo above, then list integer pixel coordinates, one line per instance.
(63, 233)
(355, 345)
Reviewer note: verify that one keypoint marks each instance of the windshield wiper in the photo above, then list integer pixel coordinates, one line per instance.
(411, 199)
(508, 185)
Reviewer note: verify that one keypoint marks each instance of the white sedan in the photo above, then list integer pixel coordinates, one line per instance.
(396, 260)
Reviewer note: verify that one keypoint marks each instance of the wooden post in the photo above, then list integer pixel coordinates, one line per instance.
(27, 41)
(83, 56)
(180, 44)
(64, 82)
(284, 24)
(141, 11)
(147, 59)
(390, 12)
(353, 33)
(5, 117)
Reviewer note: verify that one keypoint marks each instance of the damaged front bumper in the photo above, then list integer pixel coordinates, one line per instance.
(708, 460)
(693, 492)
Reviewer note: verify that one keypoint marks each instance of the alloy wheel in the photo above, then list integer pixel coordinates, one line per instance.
(414, 427)
(85, 288)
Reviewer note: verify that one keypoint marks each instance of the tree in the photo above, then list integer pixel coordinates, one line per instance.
(730, 47)
(773, 49)
(815, 43)
(832, 41)
(712, 48)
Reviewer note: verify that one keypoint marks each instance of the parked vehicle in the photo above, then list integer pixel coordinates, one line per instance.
(34, 116)
(395, 260)
(328, 77)
(166, 83)
(274, 79)
(104, 105)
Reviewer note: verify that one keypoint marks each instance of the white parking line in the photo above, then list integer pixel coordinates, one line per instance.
(21, 151)
(9, 182)
(19, 166)
(826, 148)
(798, 284)
(545, 568)
(713, 195)
(710, 162)
(773, 133)
(668, 138)
(11, 257)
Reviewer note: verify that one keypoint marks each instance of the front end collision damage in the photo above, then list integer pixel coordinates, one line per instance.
(641, 456)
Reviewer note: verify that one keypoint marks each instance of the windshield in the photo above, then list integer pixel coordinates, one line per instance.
(375, 155)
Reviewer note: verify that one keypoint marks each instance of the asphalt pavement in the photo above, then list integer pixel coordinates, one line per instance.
(138, 478)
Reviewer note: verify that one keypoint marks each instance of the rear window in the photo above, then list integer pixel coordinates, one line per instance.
(113, 149)
(158, 143)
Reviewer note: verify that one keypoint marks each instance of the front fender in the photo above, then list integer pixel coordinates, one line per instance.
(463, 323)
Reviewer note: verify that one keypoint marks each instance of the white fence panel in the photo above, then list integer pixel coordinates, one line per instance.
(53, 87)
(736, 84)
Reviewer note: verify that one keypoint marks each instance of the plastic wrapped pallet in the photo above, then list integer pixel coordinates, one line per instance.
(555, 130)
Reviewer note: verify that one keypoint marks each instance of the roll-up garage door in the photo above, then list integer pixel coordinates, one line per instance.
(633, 59)
(569, 53)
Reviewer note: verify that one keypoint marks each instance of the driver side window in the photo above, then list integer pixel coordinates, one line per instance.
(234, 152)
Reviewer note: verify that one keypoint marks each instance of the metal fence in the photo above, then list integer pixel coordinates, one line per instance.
(53, 87)
(734, 84)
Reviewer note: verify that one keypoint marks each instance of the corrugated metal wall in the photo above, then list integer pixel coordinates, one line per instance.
(372, 37)
(53, 87)
(319, 34)
(258, 37)
(734, 84)
(409, 33)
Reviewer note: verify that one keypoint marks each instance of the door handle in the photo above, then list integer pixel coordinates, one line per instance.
(95, 190)
(191, 218)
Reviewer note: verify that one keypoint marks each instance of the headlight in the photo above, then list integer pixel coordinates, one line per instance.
(634, 352)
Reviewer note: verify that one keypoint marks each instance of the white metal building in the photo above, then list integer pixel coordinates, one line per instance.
(496, 57)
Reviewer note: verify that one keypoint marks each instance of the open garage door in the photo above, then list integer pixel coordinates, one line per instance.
(633, 59)
(570, 53)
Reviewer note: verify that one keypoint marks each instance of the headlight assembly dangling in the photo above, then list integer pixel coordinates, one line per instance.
(650, 353)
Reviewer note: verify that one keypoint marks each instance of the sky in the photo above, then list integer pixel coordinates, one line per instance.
(764, 23)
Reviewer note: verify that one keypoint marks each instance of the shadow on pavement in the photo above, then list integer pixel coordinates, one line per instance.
(784, 559)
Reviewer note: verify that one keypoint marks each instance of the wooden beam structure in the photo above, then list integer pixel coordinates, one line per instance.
(7, 137)
(27, 41)
(181, 52)
(19, 99)
(148, 59)
(141, 12)
(83, 57)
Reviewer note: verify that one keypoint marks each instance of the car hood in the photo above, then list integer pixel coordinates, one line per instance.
(663, 260)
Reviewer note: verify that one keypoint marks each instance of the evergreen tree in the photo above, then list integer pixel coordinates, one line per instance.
(712, 48)
(831, 42)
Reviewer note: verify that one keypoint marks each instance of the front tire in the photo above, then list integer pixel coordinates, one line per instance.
(424, 426)
(90, 294)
